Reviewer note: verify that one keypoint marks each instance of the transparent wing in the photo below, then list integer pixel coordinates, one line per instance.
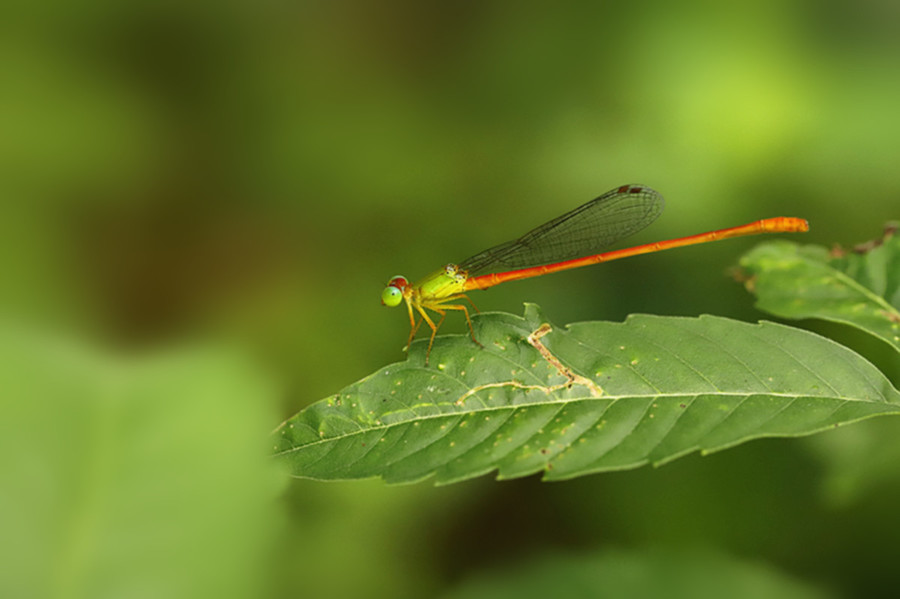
(580, 232)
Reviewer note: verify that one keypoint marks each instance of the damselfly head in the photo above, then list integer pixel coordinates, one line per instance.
(393, 293)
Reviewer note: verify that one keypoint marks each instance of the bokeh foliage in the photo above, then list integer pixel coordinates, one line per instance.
(250, 174)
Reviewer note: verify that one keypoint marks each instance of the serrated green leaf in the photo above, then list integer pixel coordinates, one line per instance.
(598, 396)
(860, 288)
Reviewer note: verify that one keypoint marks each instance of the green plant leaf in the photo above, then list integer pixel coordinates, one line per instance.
(132, 476)
(598, 396)
(859, 287)
(674, 574)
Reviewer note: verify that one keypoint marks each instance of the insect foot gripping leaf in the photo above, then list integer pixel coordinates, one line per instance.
(593, 397)
(859, 287)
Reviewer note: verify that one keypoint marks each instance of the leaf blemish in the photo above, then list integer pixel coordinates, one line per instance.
(534, 339)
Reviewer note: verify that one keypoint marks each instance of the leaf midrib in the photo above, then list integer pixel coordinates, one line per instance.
(866, 292)
(336, 438)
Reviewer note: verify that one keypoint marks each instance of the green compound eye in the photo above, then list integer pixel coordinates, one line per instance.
(391, 296)
(393, 293)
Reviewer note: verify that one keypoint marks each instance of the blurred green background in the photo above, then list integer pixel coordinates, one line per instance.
(202, 203)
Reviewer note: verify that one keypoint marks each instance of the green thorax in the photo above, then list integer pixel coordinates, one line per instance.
(442, 283)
